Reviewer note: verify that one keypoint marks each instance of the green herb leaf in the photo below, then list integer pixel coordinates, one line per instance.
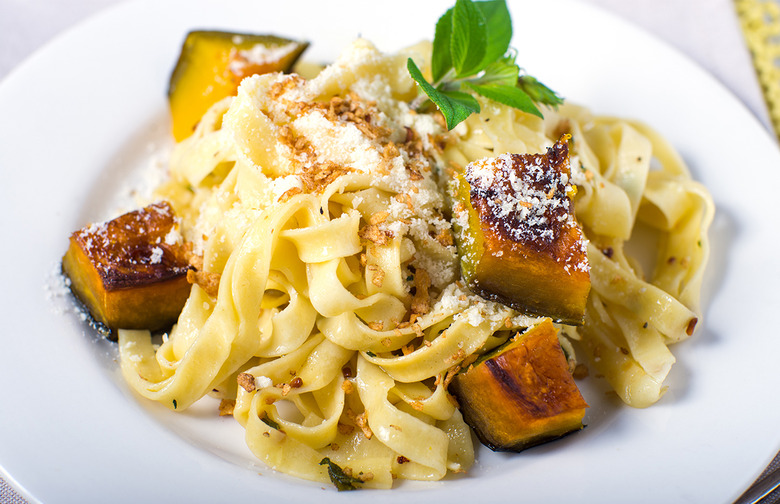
(441, 57)
(468, 38)
(538, 91)
(459, 106)
(454, 105)
(499, 29)
(499, 72)
(271, 423)
(471, 52)
(508, 95)
(339, 478)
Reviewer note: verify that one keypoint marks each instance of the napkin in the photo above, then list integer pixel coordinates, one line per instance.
(8, 495)
(760, 20)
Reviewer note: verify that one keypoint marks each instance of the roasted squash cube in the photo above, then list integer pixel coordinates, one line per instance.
(131, 272)
(522, 394)
(517, 237)
(212, 64)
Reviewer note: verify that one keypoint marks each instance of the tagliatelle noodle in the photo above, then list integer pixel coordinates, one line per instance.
(630, 182)
(321, 206)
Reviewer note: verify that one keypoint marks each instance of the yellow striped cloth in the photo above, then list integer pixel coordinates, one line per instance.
(760, 20)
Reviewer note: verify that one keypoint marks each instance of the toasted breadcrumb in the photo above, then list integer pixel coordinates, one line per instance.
(372, 233)
(208, 281)
(362, 421)
(379, 277)
(421, 303)
(445, 238)
(289, 193)
(345, 429)
(580, 371)
(247, 382)
(226, 407)
(379, 217)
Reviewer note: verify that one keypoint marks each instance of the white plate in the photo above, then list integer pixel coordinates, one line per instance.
(81, 117)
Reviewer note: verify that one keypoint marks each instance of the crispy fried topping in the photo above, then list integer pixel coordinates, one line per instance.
(345, 429)
(379, 277)
(421, 303)
(289, 193)
(362, 421)
(207, 281)
(378, 218)
(372, 233)
(445, 238)
(226, 407)
(247, 382)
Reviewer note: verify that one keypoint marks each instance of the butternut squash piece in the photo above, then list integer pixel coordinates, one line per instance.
(131, 272)
(213, 63)
(517, 237)
(522, 394)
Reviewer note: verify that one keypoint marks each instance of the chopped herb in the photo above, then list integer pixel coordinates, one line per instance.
(174, 404)
(339, 477)
(370, 353)
(270, 423)
(471, 55)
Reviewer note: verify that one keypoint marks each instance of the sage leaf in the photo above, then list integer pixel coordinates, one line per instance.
(468, 38)
(339, 478)
(538, 91)
(455, 106)
(499, 29)
(441, 57)
(508, 95)
(499, 72)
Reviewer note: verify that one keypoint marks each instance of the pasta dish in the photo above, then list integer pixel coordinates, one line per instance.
(328, 311)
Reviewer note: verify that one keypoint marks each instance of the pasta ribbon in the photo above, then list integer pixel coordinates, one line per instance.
(319, 208)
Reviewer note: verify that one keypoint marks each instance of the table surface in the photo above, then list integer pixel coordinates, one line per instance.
(706, 30)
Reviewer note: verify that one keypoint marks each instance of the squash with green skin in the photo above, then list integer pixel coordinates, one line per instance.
(213, 63)
(517, 237)
(131, 272)
(522, 394)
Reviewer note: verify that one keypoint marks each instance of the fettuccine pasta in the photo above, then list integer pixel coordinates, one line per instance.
(319, 209)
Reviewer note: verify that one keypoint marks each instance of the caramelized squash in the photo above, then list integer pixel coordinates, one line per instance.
(130, 272)
(213, 63)
(522, 394)
(517, 237)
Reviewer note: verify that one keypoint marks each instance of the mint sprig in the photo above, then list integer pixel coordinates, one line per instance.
(471, 55)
